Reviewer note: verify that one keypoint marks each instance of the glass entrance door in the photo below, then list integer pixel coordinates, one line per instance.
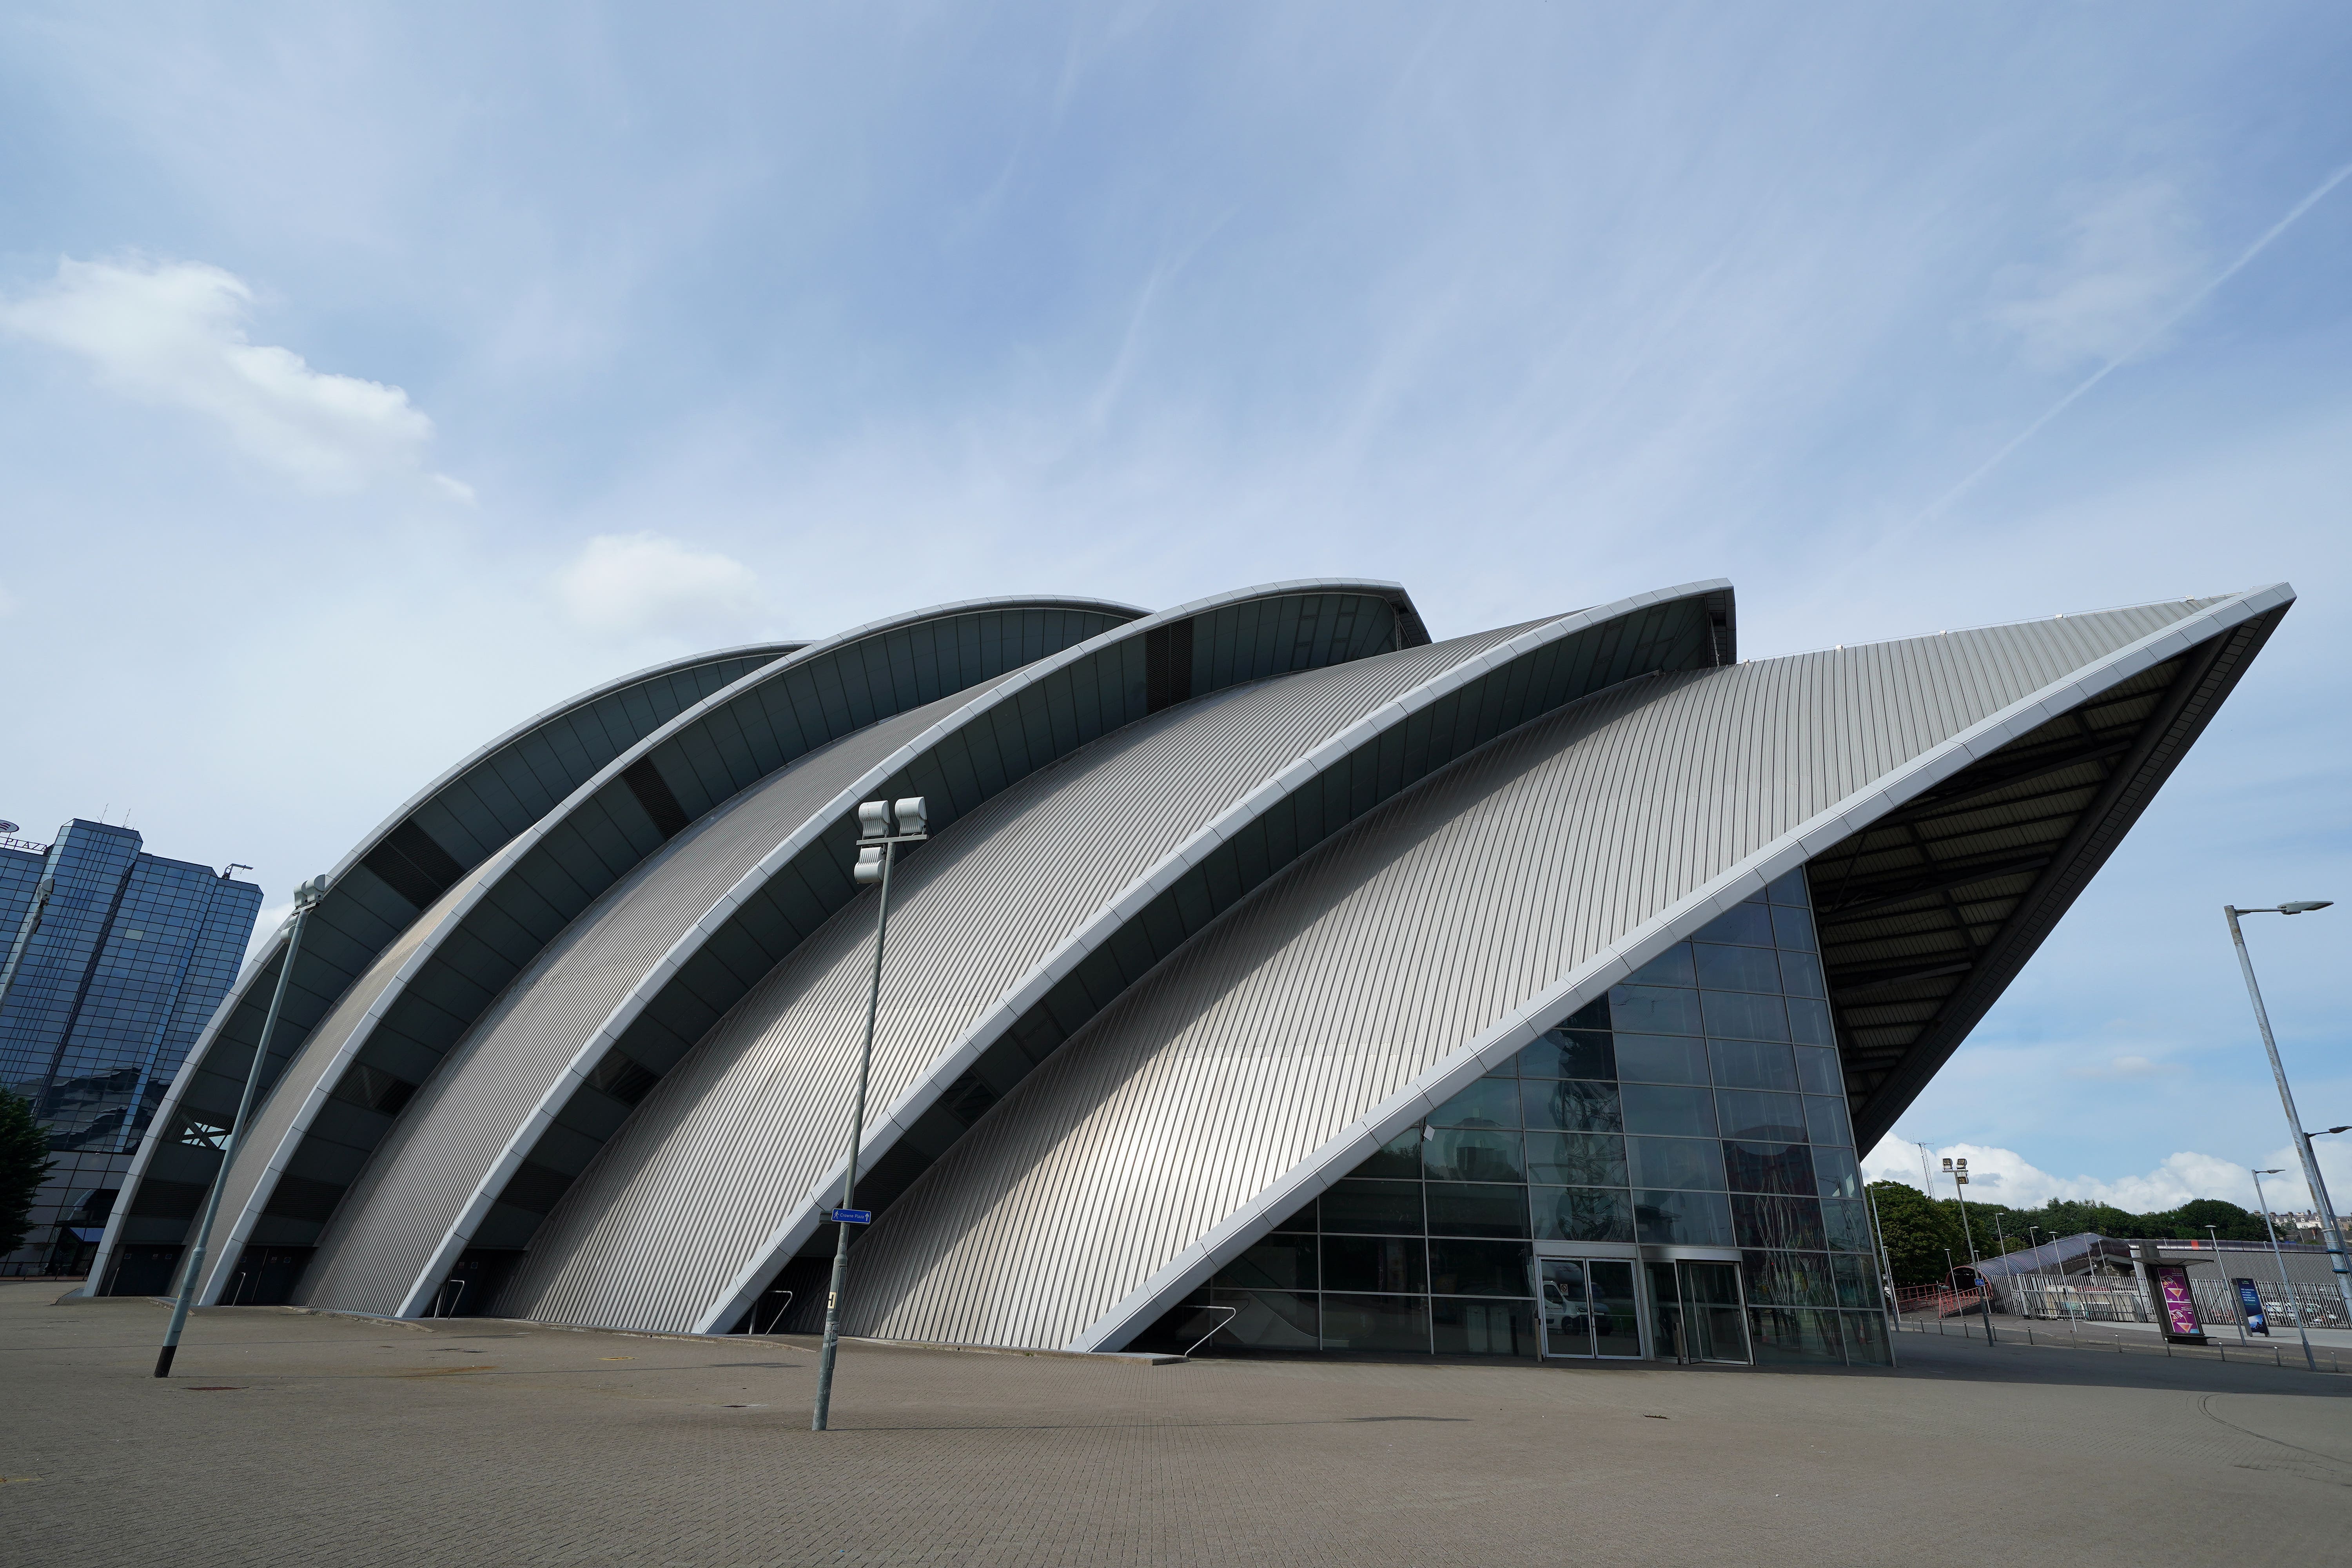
(1589, 1308)
(1696, 1307)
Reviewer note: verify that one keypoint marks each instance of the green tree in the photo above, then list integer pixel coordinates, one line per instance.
(1917, 1231)
(23, 1162)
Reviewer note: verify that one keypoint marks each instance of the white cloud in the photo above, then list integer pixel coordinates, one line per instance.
(2005, 1176)
(2131, 258)
(173, 333)
(622, 584)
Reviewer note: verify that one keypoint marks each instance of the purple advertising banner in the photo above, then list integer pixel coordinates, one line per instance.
(2172, 1293)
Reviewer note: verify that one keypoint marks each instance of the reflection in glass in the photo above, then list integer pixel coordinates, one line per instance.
(1787, 1278)
(1783, 1334)
(1801, 975)
(1789, 888)
(1375, 1322)
(1686, 1219)
(1809, 1022)
(1616, 1320)
(1264, 1319)
(1847, 1224)
(1749, 925)
(1835, 1174)
(1763, 1220)
(1723, 968)
(1740, 1016)
(1571, 1105)
(1714, 1327)
(1582, 1213)
(1489, 1102)
(1280, 1263)
(1817, 1070)
(1793, 930)
(1865, 1339)
(1752, 1064)
(1381, 1208)
(1765, 1168)
(1570, 1053)
(1758, 1113)
(1660, 1058)
(1483, 1327)
(1671, 967)
(1372, 1263)
(1825, 1120)
(1478, 1268)
(1668, 1111)
(1653, 1010)
(1400, 1156)
(1564, 1298)
(1675, 1163)
(1855, 1288)
(1577, 1159)
(1474, 1154)
(1460, 1209)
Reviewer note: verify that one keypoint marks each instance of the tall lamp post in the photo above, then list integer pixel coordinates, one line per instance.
(306, 898)
(882, 826)
(2330, 1233)
(1959, 1169)
(2286, 1286)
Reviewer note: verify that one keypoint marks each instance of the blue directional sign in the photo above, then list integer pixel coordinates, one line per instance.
(852, 1216)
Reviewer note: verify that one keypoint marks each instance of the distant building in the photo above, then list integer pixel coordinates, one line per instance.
(114, 962)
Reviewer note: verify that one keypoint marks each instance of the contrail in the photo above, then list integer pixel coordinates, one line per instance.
(2165, 325)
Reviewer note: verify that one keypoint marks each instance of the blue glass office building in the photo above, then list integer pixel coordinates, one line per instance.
(115, 962)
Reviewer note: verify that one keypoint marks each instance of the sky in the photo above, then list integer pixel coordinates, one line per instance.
(373, 376)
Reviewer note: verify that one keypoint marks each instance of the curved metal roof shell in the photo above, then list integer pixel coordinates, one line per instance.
(378, 890)
(414, 995)
(520, 1112)
(1430, 940)
(1034, 912)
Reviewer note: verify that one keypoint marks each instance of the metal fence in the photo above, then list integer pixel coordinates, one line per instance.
(2123, 1302)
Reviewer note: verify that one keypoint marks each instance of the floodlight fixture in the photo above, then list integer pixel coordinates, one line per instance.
(2304, 906)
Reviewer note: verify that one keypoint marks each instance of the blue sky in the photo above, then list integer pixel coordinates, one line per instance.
(372, 376)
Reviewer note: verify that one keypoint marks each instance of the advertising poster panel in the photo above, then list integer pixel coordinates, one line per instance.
(2177, 1303)
(2249, 1303)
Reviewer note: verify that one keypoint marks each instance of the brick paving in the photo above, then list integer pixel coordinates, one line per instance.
(291, 1438)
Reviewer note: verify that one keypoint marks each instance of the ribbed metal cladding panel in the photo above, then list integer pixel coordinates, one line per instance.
(1387, 950)
(554, 868)
(394, 1217)
(263, 1148)
(733, 1137)
(487, 792)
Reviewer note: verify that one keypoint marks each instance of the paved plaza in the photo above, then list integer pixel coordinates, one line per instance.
(299, 1438)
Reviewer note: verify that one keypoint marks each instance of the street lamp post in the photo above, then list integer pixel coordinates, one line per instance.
(2238, 1315)
(882, 826)
(1959, 1174)
(2330, 1233)
(2286, 1286)
(306, 898)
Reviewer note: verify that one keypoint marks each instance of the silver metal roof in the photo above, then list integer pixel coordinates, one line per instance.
(605, 775)
(1013, 927)
(1430, 940)
(520, 1069)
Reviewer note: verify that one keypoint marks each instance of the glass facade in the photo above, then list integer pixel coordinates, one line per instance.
(1698, 1108)
(115, 960)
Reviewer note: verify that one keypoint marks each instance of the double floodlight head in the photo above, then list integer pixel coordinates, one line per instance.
(882, 823)
(309, 893)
